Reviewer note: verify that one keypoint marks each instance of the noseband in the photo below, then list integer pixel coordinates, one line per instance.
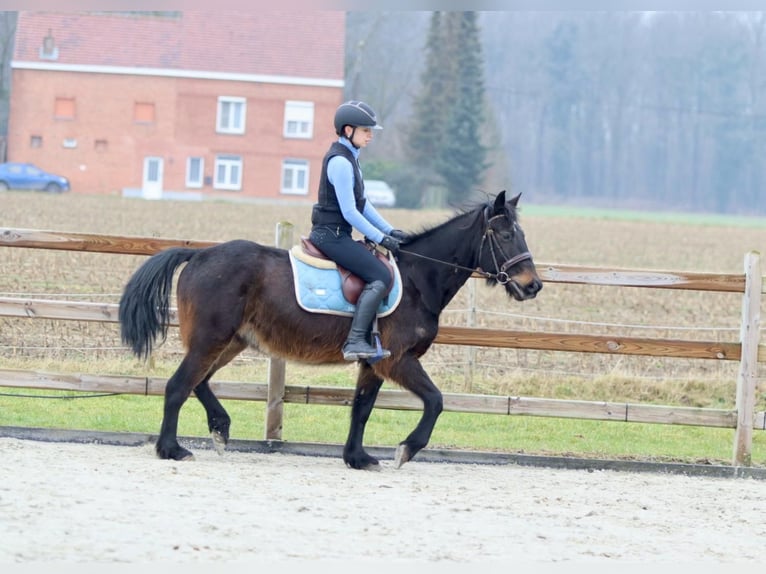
(501, 275)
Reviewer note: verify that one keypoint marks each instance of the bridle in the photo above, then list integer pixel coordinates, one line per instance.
(501, 273)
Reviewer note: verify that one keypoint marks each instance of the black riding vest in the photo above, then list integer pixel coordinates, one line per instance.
(326, 210)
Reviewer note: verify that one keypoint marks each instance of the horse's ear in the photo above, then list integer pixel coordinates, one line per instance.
(500, 201)
(499, 206)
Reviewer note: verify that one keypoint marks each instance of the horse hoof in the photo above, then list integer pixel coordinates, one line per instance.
(180, 457)
(219, 442)
(402, 455)
(179, 454)
(365, 462)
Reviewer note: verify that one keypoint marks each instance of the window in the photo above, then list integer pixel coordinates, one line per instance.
(299, 119)
(195, 167)
(64, 109)
(35, 141)
(100, 145)
(228, 172)
(295, 177)
(231, 115)
(143, 113)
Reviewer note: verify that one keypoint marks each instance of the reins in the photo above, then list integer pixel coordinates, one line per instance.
(500, 275)
(454, 265)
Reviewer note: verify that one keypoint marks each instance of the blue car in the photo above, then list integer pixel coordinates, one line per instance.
(27, 176)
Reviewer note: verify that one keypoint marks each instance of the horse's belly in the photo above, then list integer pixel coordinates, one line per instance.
(280, 342)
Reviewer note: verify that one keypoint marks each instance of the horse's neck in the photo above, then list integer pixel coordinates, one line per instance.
(451, 256)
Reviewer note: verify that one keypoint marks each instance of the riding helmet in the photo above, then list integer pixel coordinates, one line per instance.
(357, 114)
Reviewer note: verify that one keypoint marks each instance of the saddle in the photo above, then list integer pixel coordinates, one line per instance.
(351, 285)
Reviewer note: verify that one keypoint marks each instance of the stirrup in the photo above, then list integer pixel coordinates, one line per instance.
(372, 356)
(380, 353)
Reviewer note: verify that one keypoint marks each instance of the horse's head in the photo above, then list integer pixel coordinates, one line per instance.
(504, 254)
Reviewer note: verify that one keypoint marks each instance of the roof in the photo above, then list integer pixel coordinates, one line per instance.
(303, 43)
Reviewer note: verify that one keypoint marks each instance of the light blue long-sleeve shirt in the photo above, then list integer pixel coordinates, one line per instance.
(369, 222)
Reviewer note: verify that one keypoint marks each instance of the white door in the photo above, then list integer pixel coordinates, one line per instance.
(152, 184)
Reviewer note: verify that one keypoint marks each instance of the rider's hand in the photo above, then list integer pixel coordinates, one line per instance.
(390, 243)
(399, 235)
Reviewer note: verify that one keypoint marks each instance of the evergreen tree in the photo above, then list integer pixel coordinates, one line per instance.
(445, 134)
(462, 157)
(427, 130)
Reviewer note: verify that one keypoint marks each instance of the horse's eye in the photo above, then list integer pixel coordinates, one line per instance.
(506, 235)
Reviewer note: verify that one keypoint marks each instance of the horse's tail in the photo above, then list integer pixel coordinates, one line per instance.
(144, 310)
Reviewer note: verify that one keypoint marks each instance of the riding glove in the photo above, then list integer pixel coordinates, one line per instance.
(390, 243)
(399, 235)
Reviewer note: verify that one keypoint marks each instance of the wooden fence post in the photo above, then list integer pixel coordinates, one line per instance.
(275, 394)
(748, 366)
(470, 351)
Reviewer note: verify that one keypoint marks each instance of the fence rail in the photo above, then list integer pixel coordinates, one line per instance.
(748, 351)
(390, 399)
(448, 335)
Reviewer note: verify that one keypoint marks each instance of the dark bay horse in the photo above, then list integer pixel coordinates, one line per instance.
(239, 294)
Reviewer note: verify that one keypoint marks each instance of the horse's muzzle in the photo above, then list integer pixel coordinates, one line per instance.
(524, 286)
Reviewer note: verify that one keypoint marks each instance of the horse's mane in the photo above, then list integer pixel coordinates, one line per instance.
(469, 207)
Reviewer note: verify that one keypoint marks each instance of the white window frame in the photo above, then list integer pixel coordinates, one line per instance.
(195, 183)
(296, 170)
(228, 172)
(299, 119)
(232, 115)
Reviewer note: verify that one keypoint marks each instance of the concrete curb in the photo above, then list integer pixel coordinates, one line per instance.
(387, 453)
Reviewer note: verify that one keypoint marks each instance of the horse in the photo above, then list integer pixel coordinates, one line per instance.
(234, 295)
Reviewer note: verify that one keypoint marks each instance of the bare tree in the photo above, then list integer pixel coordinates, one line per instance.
(384, 53)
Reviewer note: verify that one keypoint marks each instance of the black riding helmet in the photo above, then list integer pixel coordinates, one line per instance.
(355, 114)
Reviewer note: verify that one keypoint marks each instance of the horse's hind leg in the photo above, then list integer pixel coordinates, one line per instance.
(367, 386)
(218, 420)
(195, 370)
(177, 390)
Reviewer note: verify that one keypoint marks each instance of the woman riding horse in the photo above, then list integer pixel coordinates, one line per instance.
(342, 207)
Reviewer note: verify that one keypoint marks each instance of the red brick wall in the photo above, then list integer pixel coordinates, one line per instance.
(184, 125)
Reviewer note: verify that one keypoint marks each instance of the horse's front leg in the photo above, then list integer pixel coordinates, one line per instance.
(367, 386)
(409, 373)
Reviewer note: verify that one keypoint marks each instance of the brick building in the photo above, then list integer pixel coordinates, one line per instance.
(166, 103)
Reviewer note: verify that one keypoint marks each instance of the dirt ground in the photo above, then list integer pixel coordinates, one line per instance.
(87, 503)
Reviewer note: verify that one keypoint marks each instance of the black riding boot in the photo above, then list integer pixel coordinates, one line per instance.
(357, 345)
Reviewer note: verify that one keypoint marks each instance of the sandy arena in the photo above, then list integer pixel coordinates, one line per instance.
(89, 503)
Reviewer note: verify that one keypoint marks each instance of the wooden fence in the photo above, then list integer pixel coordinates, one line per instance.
(748, 351)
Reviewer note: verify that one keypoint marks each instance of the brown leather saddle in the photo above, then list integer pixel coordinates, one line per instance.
(351, 284)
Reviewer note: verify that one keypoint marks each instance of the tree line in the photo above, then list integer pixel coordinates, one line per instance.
(660, 111)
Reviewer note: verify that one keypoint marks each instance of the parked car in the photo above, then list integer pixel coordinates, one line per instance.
(379, 193)
(15, 175)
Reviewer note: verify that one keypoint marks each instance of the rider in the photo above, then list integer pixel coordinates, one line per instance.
(341, 207)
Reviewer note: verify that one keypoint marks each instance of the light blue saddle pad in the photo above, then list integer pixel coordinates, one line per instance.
(318, 286)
